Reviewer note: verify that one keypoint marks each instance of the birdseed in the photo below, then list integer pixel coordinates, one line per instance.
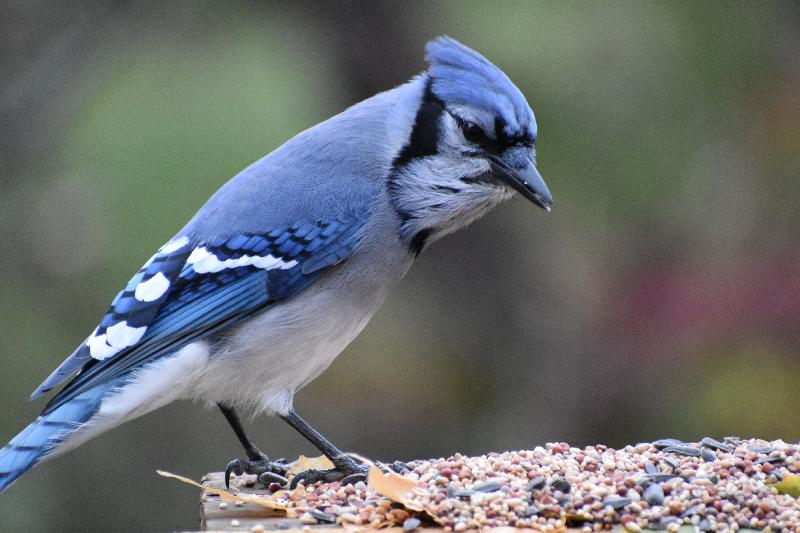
(659, 485)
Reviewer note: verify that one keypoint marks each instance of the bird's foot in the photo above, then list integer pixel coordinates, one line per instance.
(399, 467)
(266, 470)
(346, 470)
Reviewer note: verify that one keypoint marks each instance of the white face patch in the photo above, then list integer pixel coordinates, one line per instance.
(152, 289)
(174, 245)
(203, 262)
(442, 192)
(437, 199)
(116, 338)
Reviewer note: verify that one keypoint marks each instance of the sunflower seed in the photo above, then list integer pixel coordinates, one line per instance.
(708, 455)
(693, 510)
(532, 510)
(683, 450)
(654, 494)
(322, 516)
(489, 486)
(773, 460)
(673, 464)
(714, 444)
(536, 483)
(659, 478)
(561, 484)
(666, 443)
(617, 503)
(760, 449)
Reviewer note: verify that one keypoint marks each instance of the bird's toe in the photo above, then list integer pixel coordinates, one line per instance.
(267, 471)
(268, 478)
(345, 470)
(399, 467)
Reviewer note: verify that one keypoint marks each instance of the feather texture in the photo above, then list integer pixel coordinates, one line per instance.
(46, 433)
(462, 76)
(213, 285)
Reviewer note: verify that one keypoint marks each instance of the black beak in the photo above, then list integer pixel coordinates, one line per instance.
(525, 180)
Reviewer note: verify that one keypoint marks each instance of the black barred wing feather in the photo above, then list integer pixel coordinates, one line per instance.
(194, 289)
(126, 320)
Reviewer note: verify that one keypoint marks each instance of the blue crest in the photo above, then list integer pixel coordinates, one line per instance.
(462, 76)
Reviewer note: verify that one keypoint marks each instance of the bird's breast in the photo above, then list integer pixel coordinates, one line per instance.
(261, 364)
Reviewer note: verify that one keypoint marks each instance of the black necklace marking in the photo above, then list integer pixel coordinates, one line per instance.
(422, 143)
(425, 134)
(418, 241)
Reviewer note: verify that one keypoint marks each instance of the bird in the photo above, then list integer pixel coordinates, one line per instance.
(287, 262)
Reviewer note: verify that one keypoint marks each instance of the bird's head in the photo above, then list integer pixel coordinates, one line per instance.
(471, 146)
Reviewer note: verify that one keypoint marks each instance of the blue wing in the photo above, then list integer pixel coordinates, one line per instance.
(190, 290)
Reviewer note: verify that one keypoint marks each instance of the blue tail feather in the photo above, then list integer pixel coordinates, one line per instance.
(46, 433)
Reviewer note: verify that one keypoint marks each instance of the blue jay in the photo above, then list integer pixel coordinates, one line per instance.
(287, 262)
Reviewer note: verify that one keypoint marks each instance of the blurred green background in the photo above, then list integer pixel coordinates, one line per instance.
(661, 297)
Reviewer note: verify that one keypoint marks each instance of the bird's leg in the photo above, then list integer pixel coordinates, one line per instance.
(345, 468)
(257, 462)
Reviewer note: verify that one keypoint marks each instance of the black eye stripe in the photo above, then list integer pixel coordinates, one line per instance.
(520, 139)
(501, 140)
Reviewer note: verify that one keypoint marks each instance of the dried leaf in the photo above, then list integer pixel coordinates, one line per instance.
(304, 463)
(790, 485)
(269, 503)
(393, 486)
(396, 487)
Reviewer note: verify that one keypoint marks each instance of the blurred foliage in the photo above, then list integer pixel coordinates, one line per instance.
(660, 298)
(739, 386)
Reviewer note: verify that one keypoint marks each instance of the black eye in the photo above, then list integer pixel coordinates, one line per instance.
(472, 132)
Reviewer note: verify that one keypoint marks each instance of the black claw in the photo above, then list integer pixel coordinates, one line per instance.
(399, 466)
(300, 477)
(271, 477)
(272, 471)
(354, 478)
(234, 467)
(346, 470)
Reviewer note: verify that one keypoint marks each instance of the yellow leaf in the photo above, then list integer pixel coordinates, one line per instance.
(304, 463)
(790, 485)
(269, 503)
